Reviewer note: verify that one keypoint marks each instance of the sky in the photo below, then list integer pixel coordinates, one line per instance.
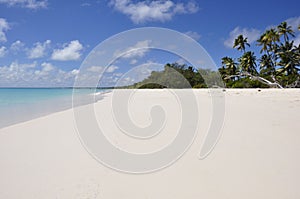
(44, 43)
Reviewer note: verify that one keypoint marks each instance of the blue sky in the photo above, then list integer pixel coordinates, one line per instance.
(44, 42)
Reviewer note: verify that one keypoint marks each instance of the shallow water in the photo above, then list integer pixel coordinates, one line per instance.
(23, 104)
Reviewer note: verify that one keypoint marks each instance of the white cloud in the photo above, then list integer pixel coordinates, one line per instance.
(297, 40)
(133, 61)
(100, 69)
(39, 50)
(294, 22)
(4, 26)
(193, 35)
(46, 69)
(71, 51)
(95, 69)
(3, 51)
(138, 50)
(75, 72)
(31, 4)
(155, 10)
(111, 69)
(17, 46)
(252, 35)
(47, 66)
(15, 73)
(32, 74)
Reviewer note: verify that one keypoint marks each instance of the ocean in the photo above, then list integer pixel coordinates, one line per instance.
(23, 104)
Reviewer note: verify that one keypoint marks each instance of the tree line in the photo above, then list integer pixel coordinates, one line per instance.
(177, 75)
(276, 65)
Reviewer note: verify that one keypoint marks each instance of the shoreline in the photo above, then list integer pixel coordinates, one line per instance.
(43, 107)
(100, 94)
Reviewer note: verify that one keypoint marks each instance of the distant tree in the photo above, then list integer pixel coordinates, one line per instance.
(180, 76)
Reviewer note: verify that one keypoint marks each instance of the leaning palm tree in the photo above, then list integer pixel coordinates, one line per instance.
(240, 43)
(247, 68)
(285, 30)
(267, 68)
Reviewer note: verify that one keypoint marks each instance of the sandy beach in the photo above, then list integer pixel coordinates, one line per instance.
(257, 155)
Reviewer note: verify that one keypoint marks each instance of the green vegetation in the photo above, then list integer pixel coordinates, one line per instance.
(179, 76)
(277, 65)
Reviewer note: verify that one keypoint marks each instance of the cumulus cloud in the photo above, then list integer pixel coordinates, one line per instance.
(155, 10)
(39, 50)
(251, 33)
(95, 69)
(17, 46)
(50, 74)
(15, 74)
(3, 51)
(33, 74)
(30, 4)
(71, 51)
(138, 50)
(47, 66)
(111, 69)
(4, 26)
(193, 35)
(99, 69)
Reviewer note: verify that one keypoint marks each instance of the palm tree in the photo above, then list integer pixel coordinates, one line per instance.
(268, 40)
(266, 66)
(248, 63)
(230, 65)
(285, 30)
(240, 43)
(289, 59)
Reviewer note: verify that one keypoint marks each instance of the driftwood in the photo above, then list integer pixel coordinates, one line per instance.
(258, 78)
(295, 84)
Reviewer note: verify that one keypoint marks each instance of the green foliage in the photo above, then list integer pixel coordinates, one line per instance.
(245, 83)
(278, 62)
(179, 76)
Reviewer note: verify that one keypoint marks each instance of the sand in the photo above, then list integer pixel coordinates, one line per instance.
(257, 155)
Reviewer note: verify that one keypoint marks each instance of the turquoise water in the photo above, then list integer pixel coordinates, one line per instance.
(22, 104)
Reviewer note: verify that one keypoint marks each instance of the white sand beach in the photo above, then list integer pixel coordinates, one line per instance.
(257, 155)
